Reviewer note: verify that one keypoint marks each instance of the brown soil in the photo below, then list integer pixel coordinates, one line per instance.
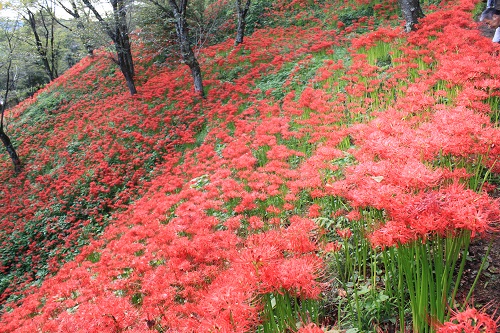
(486, 31)
(486, 293)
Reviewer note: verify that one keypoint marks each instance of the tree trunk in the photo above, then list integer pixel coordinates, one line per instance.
(242, 20)
(54, 54)
(41, 50)
(129, 78)
(126, 64)
(122, 44)
(187, 53)
(196, 73)
(120, 36)
(11, 151)
(5, 139)
(190, 59)
(90, 49)
(411, 12)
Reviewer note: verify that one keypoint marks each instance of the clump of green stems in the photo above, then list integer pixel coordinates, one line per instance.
(284, 312)
(357, 269)
(426, 274)
(421, 277)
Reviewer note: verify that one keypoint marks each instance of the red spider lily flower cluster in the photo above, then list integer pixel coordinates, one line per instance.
(178, 258)
(310, 328)
(412, 157)
(469, 321)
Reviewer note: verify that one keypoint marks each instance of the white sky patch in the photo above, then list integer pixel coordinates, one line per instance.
(103, 7)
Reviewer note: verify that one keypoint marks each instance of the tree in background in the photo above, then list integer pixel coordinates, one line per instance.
(209, 23)
(83, 23)
(242, 11)
(411, 12)
(42, 27)
(179, 8)
(44, 49)
(118, 30)
(6, 64)
(176, 11)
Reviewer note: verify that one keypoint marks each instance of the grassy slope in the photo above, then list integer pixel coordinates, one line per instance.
(227, 185)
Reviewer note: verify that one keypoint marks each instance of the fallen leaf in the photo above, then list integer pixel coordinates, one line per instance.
(378, 179)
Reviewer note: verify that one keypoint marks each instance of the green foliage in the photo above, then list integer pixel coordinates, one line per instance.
(199, 137)
(258, 16)
(136, 299)
(46, 105)
(427, 276)
(30, 73)
(261, 155)
(359, 297)
(232, 74)
(350, 15)
(284, 312)
(94, 257)
(494, 102)
(273, 82)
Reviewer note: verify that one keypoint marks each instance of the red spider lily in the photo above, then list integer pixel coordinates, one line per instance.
(191, 255)
(310, 328)
(332, 247)
(344, 233)
(470, 320)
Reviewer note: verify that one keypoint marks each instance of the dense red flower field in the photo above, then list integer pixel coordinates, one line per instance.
(179, 214)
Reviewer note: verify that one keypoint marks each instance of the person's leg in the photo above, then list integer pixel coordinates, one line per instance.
(496, 37)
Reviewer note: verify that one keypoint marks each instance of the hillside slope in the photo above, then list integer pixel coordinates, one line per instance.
(185, 215)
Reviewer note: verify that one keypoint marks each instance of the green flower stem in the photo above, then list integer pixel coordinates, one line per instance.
(481, 267)
(428, 269)
(283, 311)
